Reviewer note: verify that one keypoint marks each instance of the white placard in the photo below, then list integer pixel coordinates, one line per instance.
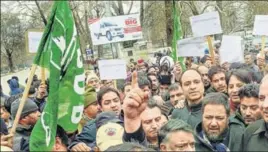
(231, 49)
(261, 25)
(191, 47)
(112, 69)
(116, 29)
(206, 24)
(34, 38)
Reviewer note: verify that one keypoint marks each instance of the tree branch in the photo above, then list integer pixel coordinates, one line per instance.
(41, 13)
(130, 7)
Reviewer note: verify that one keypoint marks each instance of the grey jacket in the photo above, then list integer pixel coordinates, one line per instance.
(22, 132)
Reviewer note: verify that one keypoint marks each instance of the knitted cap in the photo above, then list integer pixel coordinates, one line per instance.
(28, 108)
(90, 96)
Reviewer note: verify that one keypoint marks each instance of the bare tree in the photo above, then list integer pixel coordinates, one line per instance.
(12, 37)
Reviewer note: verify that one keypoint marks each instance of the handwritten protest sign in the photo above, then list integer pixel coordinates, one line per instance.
(191, 47)
(112, 69)
(261, 25)
(231, 49)
(206, 24)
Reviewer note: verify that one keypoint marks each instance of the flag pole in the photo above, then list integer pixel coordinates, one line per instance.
(262, 45)
(211, 51)
(23, 99)
(43, 75)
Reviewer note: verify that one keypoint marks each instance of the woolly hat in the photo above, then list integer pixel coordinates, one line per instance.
(90, 96)
(28, 108)
(92, 75)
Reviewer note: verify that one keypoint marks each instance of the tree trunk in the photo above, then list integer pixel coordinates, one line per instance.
(219, 36)
(141, 12)
(169, 22)
(120, 8)
(10, 61)
(41, 13)
(100, 47)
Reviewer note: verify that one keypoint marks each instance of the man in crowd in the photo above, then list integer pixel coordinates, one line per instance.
(218, 80)
(108, 100)
(176, 135)
(164, 81)
(250, 62)
(212, 132)
(90, 107)
(261, 61)
(155, 83)
(93, 80)
(203, 70)
(255, 136)
(248, 112)
(176, 95)
(40, 95)
(193, 88)
(28, 119)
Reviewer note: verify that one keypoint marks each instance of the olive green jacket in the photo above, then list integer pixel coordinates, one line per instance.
(255, 137)
(191, 115)
(237, 127)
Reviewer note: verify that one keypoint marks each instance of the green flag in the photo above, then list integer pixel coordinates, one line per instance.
(59, 52)
(177, 35)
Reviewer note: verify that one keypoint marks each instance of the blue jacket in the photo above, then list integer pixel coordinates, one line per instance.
(14, 87)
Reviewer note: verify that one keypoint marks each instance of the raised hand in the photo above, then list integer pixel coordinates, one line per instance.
(136, 100)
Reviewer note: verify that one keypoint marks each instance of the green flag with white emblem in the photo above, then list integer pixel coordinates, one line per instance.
(59, 52)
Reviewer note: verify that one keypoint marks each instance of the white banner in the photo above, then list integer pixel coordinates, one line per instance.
(231, 49)
(112, 69)
(191, 47)
(33, 39)
(261, 25)
(116, 29)
(206, 24)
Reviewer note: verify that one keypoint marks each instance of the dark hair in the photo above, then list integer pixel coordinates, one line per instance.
(105, 90)
(129, 146)
(153, 66)
(62, 135)
(151, 74)
(15, 77)
(171, 126)
(190, 70)
(214, 70)
(143, 81)
(249, 90)
(241, 74)
(126, 84)
(238, 65)
(10, 100)
(216, 98)
(152, 103)
(174, 87)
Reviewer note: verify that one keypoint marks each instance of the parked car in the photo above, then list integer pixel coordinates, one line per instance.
(110, 30)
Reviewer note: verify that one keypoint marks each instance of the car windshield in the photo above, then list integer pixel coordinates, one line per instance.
(109, 24)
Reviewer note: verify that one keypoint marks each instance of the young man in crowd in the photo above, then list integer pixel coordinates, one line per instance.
(193, 88)
(248, 112)
(40, 96)
(249, 60)
(204, 72)
(255, 136)
(176, 96)
(217, 80)
(29, 116)
(176, 135)
(155, 83)
(108, 100)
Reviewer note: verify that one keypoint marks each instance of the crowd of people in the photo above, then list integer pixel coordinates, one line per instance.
(207, 107)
